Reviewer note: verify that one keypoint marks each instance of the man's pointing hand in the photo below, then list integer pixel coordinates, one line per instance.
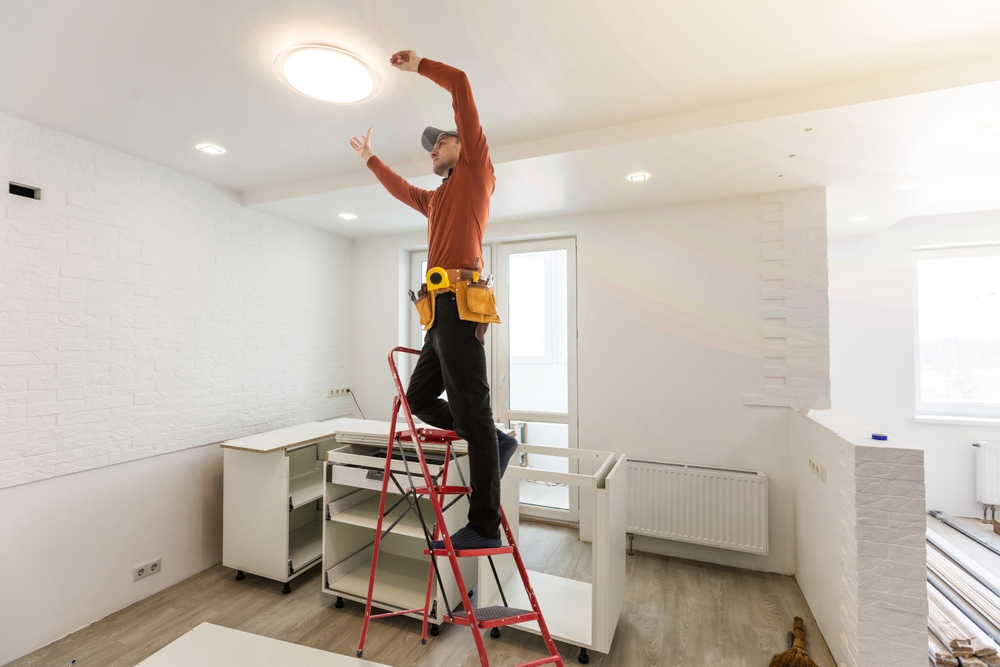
(363, 145)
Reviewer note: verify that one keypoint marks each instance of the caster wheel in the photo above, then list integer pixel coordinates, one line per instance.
(287, 589)
(433, 631)
(584, 658)
(240, 576)
(339, 604)
(495, 633)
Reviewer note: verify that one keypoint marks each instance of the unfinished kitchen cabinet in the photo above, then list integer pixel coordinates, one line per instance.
(272, 522)
(353, 484)
(576, 612)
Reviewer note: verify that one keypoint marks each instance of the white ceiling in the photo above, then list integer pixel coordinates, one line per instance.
(709, 97)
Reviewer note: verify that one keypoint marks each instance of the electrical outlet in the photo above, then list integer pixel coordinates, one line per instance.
(145, 570)
(339, 391)
(818, 469)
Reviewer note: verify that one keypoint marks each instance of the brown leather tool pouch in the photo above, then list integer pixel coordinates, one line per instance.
(476, 302)
(425, 309)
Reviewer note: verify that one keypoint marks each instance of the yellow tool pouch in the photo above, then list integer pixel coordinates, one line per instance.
(476, 302)
(425, 309)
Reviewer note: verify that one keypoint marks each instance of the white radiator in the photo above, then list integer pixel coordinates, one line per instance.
(718, 507)
(987, 472)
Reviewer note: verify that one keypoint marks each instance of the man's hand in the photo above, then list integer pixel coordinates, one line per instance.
(363, 145)
(408, 61)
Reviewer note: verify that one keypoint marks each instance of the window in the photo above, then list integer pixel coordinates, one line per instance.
(958, 331)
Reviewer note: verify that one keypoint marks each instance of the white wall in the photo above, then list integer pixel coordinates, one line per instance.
(860, 553)
(143, 313)
(70, 542)
(872, 347)
(670, 320)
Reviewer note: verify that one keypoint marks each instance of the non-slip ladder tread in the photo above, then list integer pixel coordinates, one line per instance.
(495, 613)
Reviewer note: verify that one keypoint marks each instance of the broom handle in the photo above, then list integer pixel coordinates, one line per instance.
(800, 635)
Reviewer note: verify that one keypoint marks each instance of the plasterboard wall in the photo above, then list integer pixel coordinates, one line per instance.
(670, 317)
(860, 555)
(872, 347)
(145, 311)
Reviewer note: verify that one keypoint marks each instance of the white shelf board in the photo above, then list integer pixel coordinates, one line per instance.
(305, 544)
(211, 645)
(305, 488)
(365, 514)
(401, 580)
(566, 604)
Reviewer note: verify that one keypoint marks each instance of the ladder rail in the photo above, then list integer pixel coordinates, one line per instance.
(436, 488)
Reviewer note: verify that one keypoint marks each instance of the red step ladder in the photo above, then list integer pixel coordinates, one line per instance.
(436, 490)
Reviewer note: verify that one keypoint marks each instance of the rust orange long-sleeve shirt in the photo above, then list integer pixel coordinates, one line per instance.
(458, 210)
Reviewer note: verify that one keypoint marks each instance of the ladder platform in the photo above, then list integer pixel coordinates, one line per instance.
(472, 553)
(495, 616)
(430, 435)
(446, 490)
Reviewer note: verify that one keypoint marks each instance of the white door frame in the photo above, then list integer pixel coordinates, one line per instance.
(500, 393)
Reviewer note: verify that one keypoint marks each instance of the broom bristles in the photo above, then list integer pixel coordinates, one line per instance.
(795, 656)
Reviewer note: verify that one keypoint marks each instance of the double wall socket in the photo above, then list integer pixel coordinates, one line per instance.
(339, 391)
(145, 570)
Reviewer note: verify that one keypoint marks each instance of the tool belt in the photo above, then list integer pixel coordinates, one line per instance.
(473, 295)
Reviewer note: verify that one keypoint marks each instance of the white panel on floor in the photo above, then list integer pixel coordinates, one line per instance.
(215, 646)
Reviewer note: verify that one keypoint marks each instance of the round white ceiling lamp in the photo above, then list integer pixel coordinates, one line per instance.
(327, 73)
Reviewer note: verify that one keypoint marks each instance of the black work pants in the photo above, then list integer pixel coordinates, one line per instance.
(453, 359)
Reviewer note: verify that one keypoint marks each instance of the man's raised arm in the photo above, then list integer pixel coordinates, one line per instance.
(397, 186)
(470, 131)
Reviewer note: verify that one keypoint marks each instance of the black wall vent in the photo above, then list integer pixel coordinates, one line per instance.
(25, 191)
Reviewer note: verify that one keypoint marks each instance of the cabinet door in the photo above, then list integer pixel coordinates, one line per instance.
(255, 513)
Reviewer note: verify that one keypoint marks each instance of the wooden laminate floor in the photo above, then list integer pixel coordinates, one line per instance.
(676, 613)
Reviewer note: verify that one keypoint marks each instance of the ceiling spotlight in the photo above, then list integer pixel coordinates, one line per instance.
(347, 216)
(328, 73)
(906, 186)
(211, 149)
(638, 176)
(859, 218)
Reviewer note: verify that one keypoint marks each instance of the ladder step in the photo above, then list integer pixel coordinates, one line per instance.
(495, 616)
(472, 553)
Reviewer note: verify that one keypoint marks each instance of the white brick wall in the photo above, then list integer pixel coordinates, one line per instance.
(143, 311)
(797, 320)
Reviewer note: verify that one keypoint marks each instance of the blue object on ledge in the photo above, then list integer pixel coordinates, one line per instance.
(879, 436)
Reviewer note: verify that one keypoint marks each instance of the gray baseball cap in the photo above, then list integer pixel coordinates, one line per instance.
(430, 137)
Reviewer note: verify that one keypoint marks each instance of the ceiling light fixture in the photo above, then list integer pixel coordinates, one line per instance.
(638, 176)
(859, 218)
(328, 73)
(906, 186)
(211, 149)
(990, 129)
(347, 216)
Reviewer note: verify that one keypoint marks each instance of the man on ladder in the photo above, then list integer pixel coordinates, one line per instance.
(456, 305)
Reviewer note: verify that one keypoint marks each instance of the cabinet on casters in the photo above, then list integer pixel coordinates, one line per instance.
(272, 523)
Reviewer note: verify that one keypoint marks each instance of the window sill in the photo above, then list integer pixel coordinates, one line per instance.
(952, 419)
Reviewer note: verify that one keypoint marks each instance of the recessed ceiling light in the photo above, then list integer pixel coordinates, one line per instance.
(906, 186)
(347, 216)
(990, 129)
(859, 218)
(328, 73)
(211, 149)
(638, 176)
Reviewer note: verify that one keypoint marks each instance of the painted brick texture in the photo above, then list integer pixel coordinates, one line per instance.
(796, 333)
(143, 311)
